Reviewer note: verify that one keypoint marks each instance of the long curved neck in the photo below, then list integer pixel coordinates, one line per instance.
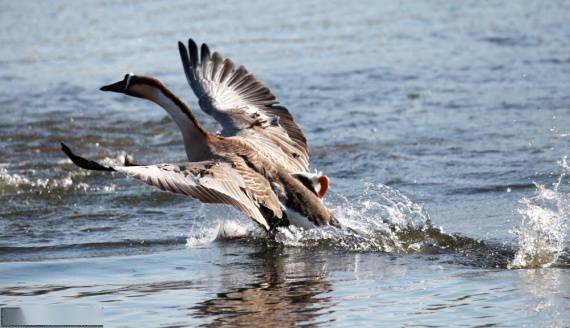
(196, 138)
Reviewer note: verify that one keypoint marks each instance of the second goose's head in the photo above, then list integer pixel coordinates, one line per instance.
(316, 182)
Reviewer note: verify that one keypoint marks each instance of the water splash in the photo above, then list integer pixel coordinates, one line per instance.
(381, 207)
(238, 227)
(7, 179)
(60, 180)
(13, 182)
(382, 219)
(220, 223)
(379, 219)
(202, 235)
(542, 234)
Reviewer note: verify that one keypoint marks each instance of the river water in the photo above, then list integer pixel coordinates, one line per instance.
(444, 127)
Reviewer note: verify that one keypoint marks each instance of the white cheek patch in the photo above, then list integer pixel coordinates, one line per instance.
(129, 76)
(317, 184)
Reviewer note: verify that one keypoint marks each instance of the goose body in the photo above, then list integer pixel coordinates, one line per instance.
(230, 180)
(259, 167)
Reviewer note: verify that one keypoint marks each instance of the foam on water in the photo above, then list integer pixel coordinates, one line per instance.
(542, 234)
(66, 180)
(19, 183)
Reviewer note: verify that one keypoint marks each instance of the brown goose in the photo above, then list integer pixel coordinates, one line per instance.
(223, 170)
(243, 105)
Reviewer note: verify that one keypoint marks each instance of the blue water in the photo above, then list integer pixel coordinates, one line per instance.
(444, 119)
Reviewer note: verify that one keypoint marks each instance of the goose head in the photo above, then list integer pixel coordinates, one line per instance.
(316, 182)
(136, 86)
(195, 137)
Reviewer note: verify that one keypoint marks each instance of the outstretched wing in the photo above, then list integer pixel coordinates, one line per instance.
(243, 105)
(208, 181)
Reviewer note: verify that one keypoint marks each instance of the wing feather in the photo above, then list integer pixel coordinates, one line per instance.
(242, 104)
(214, 182)
(215, 186)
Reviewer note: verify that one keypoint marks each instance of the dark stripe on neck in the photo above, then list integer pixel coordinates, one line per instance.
(179, 103)
(306, 182)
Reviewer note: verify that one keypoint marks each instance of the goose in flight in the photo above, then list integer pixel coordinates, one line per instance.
(224, 170)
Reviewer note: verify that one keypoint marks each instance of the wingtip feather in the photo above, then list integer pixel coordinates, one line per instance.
(193, 52)
(82, 162)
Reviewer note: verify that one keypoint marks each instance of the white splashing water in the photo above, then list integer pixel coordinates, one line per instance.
(202, 235)
(543, 231)
(219, 223)
(18, 183)
(238, 227)
(373, 218)
(70, 180)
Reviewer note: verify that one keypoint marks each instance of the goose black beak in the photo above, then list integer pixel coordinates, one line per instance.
(115, 87)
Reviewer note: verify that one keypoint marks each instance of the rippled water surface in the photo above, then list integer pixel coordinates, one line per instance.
(444, 127)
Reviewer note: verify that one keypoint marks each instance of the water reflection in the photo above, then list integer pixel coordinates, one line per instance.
(289, 289)
(549, 288)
